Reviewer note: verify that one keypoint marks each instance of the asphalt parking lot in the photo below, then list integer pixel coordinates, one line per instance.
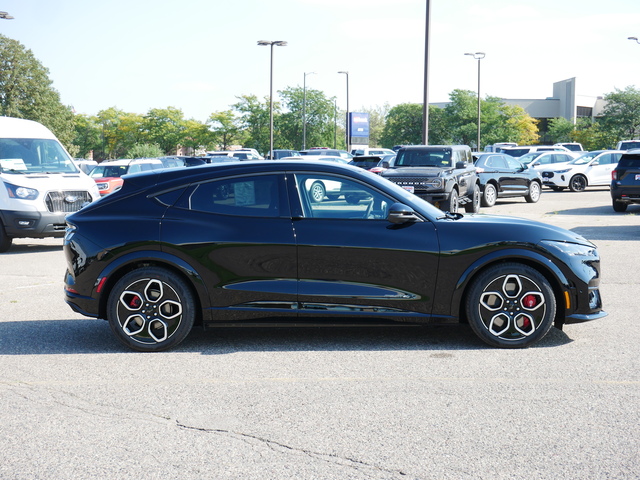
(380, 403)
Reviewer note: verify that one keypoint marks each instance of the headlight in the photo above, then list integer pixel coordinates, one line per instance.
(572, 249)
(563, 171)
(435, 183)
(22, 193)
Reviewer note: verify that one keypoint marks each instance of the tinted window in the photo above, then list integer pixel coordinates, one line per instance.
(513, 163)
(257, 196)
(345, 199)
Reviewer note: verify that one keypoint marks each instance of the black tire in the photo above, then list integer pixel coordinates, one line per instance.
(510, 306)
(5, 240)
(619, 206)
(151, 309)
(489, 196)
(317, 192)
(535, 189)
(450, 205)
(578, 183)
(474, 206)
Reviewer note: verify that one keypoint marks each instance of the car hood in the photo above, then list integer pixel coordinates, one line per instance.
(486, 228)
(414, 171)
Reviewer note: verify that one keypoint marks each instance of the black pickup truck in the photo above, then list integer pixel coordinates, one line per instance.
(444, 175)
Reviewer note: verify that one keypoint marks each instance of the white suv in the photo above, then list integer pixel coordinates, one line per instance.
(589, 169)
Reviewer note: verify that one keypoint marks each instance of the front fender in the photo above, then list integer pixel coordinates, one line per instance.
(545, 265)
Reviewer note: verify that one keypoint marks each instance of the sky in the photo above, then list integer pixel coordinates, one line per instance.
(200, 55)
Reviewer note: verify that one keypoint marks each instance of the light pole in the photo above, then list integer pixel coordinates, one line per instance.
(634, 38)
(425, 103)
(478, 56)
(5, 16)
(346, 135)
(271, 43)
(304, 111)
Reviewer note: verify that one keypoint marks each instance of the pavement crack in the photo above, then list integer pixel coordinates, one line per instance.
(281, 447)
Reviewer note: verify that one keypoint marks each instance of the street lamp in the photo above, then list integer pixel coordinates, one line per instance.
(271, 43)
(304, 111)
(425, 102)
(346, 136)
(634, 38)
(5, 16)
(478, 56)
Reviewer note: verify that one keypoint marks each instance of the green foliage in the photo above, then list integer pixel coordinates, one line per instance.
(224, 128)
(622, 113)
(403, 125)
(319, 116)
(26, 91)
(377, 117)
(254, 122)
(165, 127)
(561, 130)
(144, 150)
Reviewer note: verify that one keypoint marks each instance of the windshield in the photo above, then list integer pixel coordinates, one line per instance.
(423, 158)
(29, 155)
(527, 158)
(584, 158)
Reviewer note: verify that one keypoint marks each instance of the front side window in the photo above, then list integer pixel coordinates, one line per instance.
(250, 196)
(326, 196)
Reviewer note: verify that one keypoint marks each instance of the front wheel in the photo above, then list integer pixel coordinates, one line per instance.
(5, 240)
(474, 206)
(451, 205)
(317, 192)
(510, 306)
(534, 193)
(151, 309)
(578, 183)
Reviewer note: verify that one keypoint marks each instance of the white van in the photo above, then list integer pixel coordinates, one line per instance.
(39, 182)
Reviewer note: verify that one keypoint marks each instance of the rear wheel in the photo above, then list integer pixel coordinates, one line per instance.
(578, 183)
(489, 195)
(534, 193)
(619, 206)
(510, 305)
(451, 205)
(5, 240)
(151, 309)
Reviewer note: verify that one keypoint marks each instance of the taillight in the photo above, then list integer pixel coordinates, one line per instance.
(614, 175)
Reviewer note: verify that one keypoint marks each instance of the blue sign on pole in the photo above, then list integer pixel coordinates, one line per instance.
(359, 124)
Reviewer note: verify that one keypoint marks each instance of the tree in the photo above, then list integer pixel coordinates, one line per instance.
(145, 150)
(26, 91)
(224, 128)
(197, 135)
(87, 135)
(561, 130)
(377, 117)
(319, 116)
(165, 127)
(403, 125)
(254, 121)
(622, 113)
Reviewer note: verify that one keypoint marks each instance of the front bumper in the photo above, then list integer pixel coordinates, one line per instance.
(33, 224)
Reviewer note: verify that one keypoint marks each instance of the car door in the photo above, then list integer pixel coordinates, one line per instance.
(518, 181)
(352, 261)
(599, 171)
(237, 233)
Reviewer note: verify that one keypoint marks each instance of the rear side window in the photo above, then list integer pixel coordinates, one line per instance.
(251, 196)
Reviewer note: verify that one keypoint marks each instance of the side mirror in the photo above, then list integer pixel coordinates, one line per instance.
(461, 165)
(400, 213)
(385, 164)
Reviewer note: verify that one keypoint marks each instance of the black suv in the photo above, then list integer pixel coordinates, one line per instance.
(443, 175)
(625, 181)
